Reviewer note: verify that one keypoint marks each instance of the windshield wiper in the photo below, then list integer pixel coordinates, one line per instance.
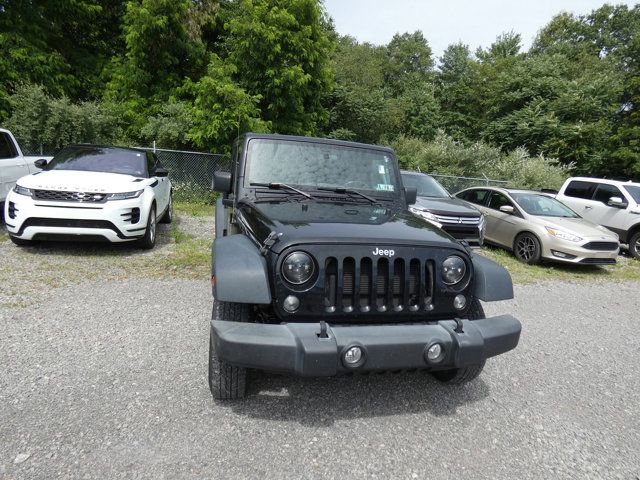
(349, 191)
(280, 186)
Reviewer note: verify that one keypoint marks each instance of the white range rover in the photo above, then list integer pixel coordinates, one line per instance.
(90, 192)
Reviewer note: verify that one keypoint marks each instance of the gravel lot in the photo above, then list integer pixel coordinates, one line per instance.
(106, 378)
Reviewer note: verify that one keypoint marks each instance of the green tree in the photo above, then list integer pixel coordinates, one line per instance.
(409, 61)
(281, 51)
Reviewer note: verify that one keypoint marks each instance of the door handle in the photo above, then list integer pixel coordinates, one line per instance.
(587, 207)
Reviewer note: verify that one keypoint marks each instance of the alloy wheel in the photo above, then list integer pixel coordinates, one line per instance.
(152, 225)
(526, 248)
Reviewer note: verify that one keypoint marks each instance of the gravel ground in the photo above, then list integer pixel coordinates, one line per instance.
(107, 380)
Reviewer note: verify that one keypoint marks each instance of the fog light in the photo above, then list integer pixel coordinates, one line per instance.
(353, 356)
(459, 302)
(435, 353)
(291, 303)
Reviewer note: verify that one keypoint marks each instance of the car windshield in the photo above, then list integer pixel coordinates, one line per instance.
(99, 159)
(542, 205)
(426, 185)
(634, 191)
(309, 165)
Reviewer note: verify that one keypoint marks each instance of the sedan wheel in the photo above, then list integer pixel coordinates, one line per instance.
(527, 249)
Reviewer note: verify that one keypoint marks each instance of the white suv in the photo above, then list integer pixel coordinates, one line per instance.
(610, 203)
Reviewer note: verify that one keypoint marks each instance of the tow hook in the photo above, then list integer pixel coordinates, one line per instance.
(323, 330)
(458, 328)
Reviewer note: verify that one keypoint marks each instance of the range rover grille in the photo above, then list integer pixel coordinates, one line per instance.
(378, 285)
(67, 196)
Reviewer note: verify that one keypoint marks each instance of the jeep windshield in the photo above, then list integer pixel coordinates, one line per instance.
(321, 166)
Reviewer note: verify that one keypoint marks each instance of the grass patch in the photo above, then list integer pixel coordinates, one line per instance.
(626, 269)
(195, 209)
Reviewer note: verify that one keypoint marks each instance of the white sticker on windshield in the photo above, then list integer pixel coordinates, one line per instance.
(384, 187)
(381, 169)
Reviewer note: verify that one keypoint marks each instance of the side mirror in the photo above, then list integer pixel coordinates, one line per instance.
(411, 194)
(221, 182)
(617, 202)
(507, 209)
(40, 163)
(161, 172)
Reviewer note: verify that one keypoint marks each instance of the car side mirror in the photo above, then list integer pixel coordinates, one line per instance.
(507, 209)
(221, 182)
(617, 202)
(411, 194)
(161, 172)
(41, 163)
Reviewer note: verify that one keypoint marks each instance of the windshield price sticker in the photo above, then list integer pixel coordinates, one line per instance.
(384, 187)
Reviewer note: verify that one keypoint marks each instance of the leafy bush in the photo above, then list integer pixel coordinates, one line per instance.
(445, 156)
(39, 119)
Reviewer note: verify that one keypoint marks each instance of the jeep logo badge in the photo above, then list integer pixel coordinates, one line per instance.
(386, 253)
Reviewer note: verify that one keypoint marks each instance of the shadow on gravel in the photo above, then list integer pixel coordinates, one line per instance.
(100, 248)
(322, 401)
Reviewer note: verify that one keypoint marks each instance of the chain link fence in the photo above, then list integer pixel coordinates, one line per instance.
(191, 173)
(455, 184)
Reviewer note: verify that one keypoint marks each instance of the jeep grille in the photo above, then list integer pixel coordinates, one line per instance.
(377, 285)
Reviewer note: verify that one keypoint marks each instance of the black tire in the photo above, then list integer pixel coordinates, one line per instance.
(226, 381)
(527, 249)
(634, 246)
(19, 241)
(168, 215)
(457, 376)
(149, 240)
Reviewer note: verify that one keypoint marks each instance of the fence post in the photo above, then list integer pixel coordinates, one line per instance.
(154, 146)
(40, 148)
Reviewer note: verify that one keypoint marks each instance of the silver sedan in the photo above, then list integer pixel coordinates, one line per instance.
(537, 227)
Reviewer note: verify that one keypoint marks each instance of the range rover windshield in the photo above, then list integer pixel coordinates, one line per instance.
(309, 165)
(89, 158)
(634, 191)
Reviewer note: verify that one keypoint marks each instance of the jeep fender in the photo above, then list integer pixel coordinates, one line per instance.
(239, 271)
(492, 282)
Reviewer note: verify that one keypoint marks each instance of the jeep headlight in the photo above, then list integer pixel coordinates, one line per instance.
(22, 190)
(297, 268)
(124, 195)
(453, 270)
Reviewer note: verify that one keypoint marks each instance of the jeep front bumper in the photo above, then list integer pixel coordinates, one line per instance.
(301, 348)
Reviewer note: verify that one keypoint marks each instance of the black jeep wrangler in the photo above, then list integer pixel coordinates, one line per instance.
(319, 269)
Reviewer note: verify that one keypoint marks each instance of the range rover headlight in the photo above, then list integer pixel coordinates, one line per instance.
(453, 270)
(297, 268)
(124, 195)
(22, 190)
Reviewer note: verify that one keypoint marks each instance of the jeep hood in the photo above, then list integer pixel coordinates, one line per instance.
(77, 181)
(315, 222)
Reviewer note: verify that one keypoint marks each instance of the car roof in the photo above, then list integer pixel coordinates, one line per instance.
(111, 147)
(326, 141)
(605, 180)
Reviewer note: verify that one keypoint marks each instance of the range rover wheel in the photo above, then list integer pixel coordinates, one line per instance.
(457, 376)
(168, 215)
(634, 246)
(19, 241)
(227, 382)
(526, 248)
(149, 240)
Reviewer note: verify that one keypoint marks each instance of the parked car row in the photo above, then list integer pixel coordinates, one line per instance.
(538, 226)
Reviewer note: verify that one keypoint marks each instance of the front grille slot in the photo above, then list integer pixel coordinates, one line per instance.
(608, 246)
(379, 285)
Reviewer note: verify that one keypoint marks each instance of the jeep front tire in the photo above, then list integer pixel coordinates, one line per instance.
(226, 381)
